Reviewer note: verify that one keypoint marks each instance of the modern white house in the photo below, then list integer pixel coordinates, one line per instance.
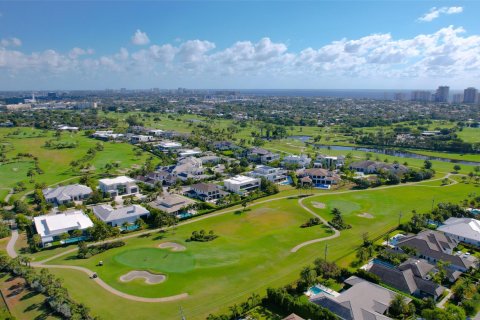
(301, 161)
(118, 186)
(168, 146)
(462, 229)
(139, 138)
(118, 216)
(189, 152)
(107, 135)
(272, 174)
(241, 184)
(328, 162)
(65, 194)
(50, 227)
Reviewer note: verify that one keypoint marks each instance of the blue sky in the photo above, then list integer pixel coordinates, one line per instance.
(239, 44)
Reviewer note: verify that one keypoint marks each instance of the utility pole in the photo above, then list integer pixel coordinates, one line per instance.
(326, 249)
(182, 316)
(399, 217)
(433, 203)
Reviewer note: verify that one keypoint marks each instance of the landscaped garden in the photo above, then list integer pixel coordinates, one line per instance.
(251, 253)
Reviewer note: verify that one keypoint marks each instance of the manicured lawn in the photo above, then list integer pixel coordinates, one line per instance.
(455, 156)
(56, 162)
(24, 304)
(469, 135)
(251, 254)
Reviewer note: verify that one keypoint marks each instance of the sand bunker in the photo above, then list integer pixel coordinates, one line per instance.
(365, 215)
(172, 246)
(318, 205)
(150, 278)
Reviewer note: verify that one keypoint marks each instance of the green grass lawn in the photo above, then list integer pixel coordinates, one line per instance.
(56, 162)
(455, 156)
(251, 254)
(470, 135)
(25, 305)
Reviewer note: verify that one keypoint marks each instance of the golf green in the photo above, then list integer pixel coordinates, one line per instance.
(157, 259)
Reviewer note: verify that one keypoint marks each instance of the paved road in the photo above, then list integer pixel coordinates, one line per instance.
(11, 244)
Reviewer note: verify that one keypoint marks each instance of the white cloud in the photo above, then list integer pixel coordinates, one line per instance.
(10, 42)
(447, 53)
(140, 38)
(77, 52)
(435, 13)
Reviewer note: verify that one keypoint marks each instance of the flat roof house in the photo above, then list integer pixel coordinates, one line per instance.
(435, 246)
(139, 138)
(168, 146)
(462, 229)
(172, 203)
(324, 161)
(270, 173)
(50, 227)
(241, 184)
(118, 216)
(362, 301)
(118, 186)
(301, 161)
(65, 194)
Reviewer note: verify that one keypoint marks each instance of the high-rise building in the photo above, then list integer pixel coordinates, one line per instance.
(52, 95)
(457, 98)
(399, 96)
(470, 95)
(442, 93)
(421, 96)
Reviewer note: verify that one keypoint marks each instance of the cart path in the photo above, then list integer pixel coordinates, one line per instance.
(207, 216)
(114, 291)
(11, 244)
(41, 264)
(335, 234)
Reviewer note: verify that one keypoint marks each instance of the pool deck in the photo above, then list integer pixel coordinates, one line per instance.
(324, 289)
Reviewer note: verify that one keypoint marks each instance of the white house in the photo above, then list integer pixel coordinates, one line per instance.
(241, 184)
(189, 152)
(65, 194)
(118, 216)
(270, 173)
(118, 186)
(301, 161)
(328, 162)
(50, 227)
(139, 138)
(462, 229)
(168, 146)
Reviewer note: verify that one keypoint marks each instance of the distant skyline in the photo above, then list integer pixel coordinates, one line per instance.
(242, 45)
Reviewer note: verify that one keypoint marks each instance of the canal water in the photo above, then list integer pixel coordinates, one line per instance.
(389, 152)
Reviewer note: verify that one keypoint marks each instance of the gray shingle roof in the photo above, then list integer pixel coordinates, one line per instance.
(107, 213)
(434, 244)
(406, 281)
(65, 193)
(372, 305)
